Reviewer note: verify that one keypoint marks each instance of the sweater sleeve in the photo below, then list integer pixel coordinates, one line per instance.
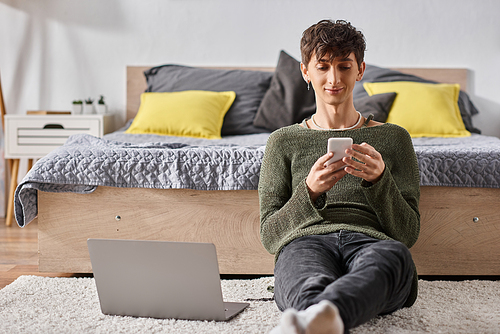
(395, 197)
(282, 209)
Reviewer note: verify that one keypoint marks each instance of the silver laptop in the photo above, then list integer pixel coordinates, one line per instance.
(159, 279)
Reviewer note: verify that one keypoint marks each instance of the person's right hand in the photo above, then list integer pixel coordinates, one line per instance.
(322, 178)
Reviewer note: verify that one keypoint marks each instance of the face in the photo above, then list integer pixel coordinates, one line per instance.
(333, 82)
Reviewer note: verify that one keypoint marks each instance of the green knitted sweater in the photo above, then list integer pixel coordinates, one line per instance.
(387, 209)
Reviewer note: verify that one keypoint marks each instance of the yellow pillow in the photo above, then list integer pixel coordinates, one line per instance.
(423, 109)
(191, 113)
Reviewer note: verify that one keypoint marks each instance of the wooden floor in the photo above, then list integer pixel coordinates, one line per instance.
(19, 253)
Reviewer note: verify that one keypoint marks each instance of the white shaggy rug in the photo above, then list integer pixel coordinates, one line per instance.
(70, 305)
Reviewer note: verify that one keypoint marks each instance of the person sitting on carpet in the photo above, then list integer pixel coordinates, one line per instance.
(340, 232)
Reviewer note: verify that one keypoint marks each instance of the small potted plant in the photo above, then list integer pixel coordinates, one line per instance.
(89, 107)
(77, 107)
(102, 108)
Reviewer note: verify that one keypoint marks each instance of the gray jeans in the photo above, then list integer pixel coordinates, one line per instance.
(362, 276)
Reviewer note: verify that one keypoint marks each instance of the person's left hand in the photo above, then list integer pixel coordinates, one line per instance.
(371, 165)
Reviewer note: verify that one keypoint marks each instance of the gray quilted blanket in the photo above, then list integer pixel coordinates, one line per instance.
(86, 162)
(459, 162)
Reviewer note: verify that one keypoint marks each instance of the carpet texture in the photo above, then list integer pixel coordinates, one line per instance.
(70, 305)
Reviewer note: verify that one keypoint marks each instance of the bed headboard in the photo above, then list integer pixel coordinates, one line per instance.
(136, 82)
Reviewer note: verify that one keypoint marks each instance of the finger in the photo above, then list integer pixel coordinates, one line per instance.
(370, 177)
(366, 149)
(323, 159)
(355, 172)
(355, 164)
(357, 155)
(368, 156)
(361, 161)
(335, 166)
(370, 171)
(355, 168)
(320, 163)
(363, 146)
(332, 165)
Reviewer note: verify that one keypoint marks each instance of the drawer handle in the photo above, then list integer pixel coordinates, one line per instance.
(53, 126)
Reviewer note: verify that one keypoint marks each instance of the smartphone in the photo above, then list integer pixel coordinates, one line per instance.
(338, 147)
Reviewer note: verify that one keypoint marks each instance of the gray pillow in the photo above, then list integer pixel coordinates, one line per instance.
(288, 101)
(379, 105)
(250, 87)
(380, 74)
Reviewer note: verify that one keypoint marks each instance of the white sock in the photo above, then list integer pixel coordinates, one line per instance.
(322, 318)
(290, 323)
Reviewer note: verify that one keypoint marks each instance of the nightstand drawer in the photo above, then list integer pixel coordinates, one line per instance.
(35, 136)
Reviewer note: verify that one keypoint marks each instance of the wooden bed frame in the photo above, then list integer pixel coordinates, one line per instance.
(460, 227)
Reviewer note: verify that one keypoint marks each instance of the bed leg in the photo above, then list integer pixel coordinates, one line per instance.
(13, 184)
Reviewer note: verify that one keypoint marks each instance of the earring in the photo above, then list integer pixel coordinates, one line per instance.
(308, 85)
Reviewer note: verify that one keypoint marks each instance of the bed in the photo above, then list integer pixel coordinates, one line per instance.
(460, 225)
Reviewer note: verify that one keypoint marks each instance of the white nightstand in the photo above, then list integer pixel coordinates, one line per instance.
(33, 136)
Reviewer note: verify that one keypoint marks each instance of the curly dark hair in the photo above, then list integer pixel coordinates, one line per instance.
(333, 38)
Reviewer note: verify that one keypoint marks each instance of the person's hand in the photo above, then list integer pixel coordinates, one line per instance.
(322, 178)
(370, 166)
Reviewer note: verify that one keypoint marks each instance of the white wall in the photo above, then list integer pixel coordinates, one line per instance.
(55, 51)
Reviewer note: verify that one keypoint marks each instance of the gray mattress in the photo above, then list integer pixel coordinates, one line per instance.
(231, 163)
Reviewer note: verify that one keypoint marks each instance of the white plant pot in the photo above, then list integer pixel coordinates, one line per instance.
(77, 109)
(102, 109)
(88, 109)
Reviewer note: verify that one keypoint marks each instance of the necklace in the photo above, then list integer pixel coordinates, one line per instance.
(344, 129)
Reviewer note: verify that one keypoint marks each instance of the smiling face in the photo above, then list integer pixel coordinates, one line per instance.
(333, 80)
